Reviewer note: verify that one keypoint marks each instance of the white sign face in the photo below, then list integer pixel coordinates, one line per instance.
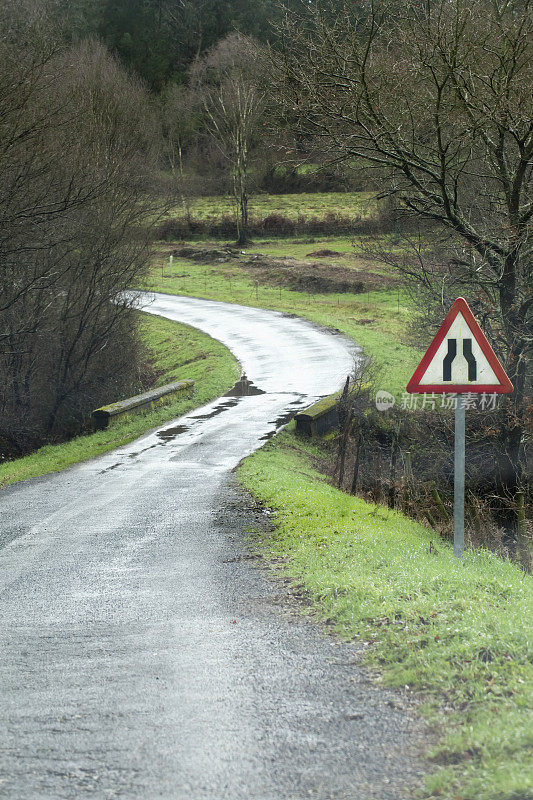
(459, 359)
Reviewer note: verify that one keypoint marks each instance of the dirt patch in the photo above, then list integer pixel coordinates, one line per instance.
(206, 255)
(320, 278)
(324, 254)
(297, 274)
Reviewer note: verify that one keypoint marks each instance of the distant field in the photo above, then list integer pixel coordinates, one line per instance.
(376, 317)
(293, 206)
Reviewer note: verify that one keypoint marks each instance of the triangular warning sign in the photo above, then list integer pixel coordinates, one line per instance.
(460, 359)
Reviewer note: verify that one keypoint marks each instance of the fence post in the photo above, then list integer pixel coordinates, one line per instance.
(392, 473)
(359, 446)
(522, 541)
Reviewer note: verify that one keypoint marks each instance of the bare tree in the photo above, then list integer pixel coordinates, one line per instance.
(226, 84)
(186, 19)
(77, 145)
(435, 98)
(180, 123)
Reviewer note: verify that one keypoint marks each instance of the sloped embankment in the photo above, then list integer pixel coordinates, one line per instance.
(456, 630)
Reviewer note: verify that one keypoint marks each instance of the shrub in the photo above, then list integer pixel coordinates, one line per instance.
(275, 224)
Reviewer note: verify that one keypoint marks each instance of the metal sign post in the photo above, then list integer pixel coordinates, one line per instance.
(460, 360)
(459, 479)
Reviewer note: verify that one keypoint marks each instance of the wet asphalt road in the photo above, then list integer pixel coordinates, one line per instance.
(143, 654)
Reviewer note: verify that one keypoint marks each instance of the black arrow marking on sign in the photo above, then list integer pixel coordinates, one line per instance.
(472, 364)
(447, 363)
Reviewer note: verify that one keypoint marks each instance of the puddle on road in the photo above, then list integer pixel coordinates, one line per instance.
(170, 433)
(140, 452)
(217, 410)
(282, 420)
(244, 388)
(113, 466)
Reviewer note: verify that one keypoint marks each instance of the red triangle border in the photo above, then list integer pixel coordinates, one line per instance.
(505, 386)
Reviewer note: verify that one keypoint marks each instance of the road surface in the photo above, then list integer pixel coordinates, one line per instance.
(144, 655)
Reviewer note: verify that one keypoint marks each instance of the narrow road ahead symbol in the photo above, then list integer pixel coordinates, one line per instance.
(450, 357)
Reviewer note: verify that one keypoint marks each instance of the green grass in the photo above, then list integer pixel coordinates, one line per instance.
(178, 351)
(294, 206)
(456, 630)
(375, 320)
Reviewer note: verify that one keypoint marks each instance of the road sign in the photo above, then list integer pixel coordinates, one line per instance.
(460, 359)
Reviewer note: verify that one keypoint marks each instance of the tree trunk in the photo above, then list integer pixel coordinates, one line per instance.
(241, 170)
(243, 212)
(510, 477)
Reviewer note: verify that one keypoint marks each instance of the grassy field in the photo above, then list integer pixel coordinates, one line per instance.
(294, 206)
(378, 321)
(176, 351)
(457, 631)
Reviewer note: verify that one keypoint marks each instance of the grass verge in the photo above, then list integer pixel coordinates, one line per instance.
(178, 351)
(455, 630)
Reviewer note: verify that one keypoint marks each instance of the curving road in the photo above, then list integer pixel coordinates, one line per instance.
(143, 656)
